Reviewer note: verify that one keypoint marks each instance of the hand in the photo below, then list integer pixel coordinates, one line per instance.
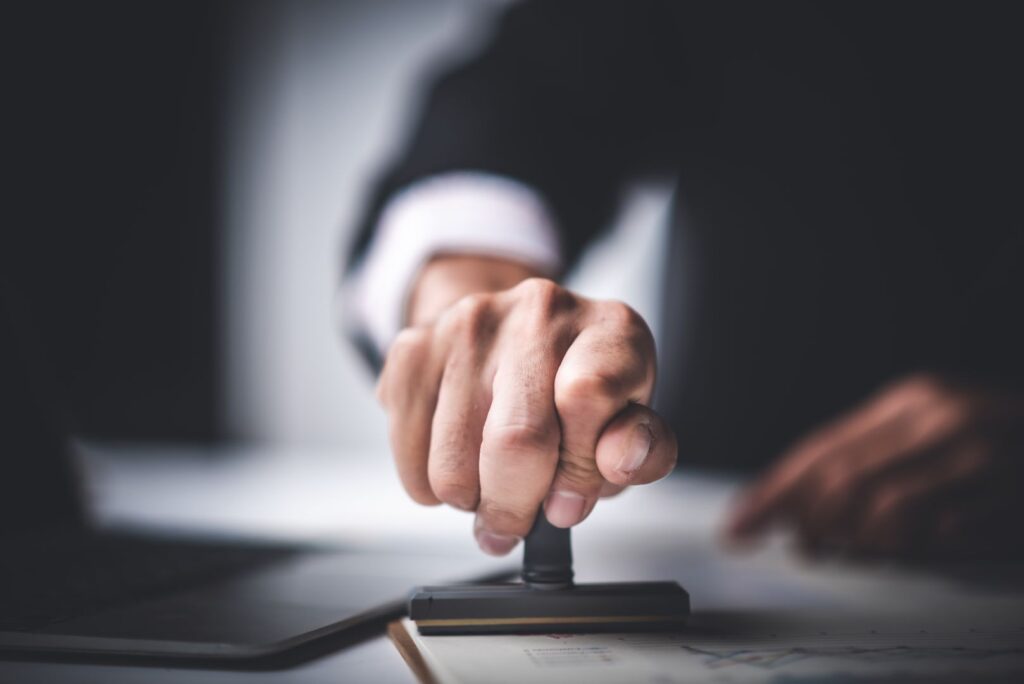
(525, 395)
(926, 467)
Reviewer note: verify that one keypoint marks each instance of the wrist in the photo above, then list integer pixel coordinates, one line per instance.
(447, 278)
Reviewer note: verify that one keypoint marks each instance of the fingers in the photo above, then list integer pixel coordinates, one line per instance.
(835, 488)
(900, 514)
(408, 390)
(819, 480)
(519, 449)
(609, 365)
(452, 467)
(523, 397)
(895, 511)
(637, 447)
(779, 492)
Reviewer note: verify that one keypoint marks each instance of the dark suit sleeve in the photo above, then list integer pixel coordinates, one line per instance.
(568, 97)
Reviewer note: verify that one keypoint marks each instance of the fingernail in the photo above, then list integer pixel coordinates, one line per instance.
(565, 509)
(496, 544)
(636, 450)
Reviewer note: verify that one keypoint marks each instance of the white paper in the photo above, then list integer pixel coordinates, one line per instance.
(795, 651)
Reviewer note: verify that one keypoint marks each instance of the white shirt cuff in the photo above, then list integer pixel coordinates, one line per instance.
(459, 212)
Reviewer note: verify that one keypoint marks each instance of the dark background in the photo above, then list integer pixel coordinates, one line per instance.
(112, 234)
(182, 179)
(117, 115)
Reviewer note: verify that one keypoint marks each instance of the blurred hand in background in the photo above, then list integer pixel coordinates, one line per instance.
(926, 467)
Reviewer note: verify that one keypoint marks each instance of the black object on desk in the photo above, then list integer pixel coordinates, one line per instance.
(112, 597)
(547, 600)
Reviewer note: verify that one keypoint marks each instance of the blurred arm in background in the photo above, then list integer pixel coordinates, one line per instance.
(537, 133)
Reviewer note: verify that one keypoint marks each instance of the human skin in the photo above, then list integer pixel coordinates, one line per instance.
(927, 467)
(507, 392)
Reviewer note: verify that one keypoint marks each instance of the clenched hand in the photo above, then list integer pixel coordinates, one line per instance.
(508, 399)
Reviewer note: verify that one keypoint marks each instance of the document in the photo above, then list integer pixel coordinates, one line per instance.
(768, 616)
(727, 649)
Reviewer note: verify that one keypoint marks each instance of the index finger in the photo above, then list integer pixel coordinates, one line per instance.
(865, 429)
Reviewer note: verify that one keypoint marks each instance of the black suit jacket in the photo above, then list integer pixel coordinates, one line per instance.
(847, 206)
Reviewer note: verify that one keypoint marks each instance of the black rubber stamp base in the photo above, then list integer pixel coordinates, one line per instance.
(547, 600)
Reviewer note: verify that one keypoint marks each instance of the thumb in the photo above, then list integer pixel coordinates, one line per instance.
(636, 447)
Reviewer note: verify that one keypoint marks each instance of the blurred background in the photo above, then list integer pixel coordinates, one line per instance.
(187, 177)
(212, 159)
(321, 93)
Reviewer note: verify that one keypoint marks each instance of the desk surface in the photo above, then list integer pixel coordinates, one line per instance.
(664, 531)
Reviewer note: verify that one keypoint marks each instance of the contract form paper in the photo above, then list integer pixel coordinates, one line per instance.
(761, 616)
(790, 652)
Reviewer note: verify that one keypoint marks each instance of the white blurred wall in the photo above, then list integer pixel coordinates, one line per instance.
(321, 95)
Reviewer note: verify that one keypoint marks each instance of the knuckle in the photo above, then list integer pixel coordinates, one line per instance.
(409, 340)
(457, 493)
(446, 463)
(577, 471)
(622, 316)
(408, 346)
(450, 450)
(504, 518)
(453, 478)
(473, 306)
(404, 362)
(519, 438)
(413, 479)
(469, 318)
(591, 387)
(542, 295)
(632, 328)
(421, 494)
